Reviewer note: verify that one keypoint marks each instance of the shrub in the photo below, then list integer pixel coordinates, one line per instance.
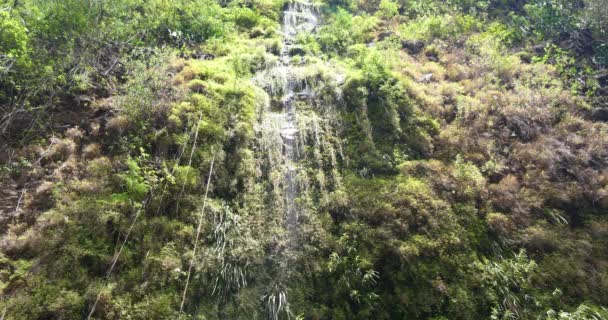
(388, 9)
(553, 17)
(493, 55)
(508, 283)
(469, 179)
(500, 224)
(336, 37)
(99, 167)
(133, 181)
(594, 15)
(186, 177)
(197, 86)
(117, 125)
(61, 149)
(428, 28)
(244, 17)
(14, 46)
(91, 151)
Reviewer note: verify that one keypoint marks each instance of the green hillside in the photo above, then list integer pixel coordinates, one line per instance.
(339, 159)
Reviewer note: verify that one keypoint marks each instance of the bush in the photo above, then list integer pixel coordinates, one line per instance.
(594, 15)
(244, 17)
(336, 36)
(552, 18)
(443, 27)
(14, 47)
(470, 181)
(196, 22)
(493, 55)
(508, 282)
(388, 9)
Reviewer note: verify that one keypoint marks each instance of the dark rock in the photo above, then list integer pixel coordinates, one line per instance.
(296, 51)
(538, 49)
(599, 114)
(413, 46)
(257, 33)
(602, 77)
(385, 35)
(581, 41)
(304, 95)
(201, 55)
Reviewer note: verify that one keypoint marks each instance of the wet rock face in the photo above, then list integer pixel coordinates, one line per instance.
(281, 143)
(279, 137)
(299, 17)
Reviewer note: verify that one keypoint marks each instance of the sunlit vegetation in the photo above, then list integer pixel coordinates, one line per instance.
(452, 160)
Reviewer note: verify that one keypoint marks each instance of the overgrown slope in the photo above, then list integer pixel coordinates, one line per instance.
(452, 160)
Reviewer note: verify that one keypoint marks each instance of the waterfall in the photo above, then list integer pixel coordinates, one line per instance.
(278, 130)
(298, 17)
(279, 140)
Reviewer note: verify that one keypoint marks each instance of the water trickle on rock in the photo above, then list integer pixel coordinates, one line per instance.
(298, 17)
(298, 151)
(287, 84)
(280, 142)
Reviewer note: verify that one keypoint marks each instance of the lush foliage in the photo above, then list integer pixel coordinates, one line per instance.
(452, 160)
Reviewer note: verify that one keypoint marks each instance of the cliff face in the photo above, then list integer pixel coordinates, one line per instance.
(327, 160)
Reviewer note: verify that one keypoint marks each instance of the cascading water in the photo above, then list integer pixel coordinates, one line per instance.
(279, 142)
(278, 129)
(298, 17)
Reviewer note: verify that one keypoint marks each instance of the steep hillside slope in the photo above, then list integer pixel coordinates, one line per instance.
(303, 160)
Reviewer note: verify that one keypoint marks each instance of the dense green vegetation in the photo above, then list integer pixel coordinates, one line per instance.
(453, 160)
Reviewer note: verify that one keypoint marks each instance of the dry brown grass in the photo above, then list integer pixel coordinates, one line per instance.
(117, 125)
(61, 149)
(91, 151)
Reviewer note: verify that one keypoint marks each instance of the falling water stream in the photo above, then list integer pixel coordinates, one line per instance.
(279, 139)
(279, 134)
(297, 17)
